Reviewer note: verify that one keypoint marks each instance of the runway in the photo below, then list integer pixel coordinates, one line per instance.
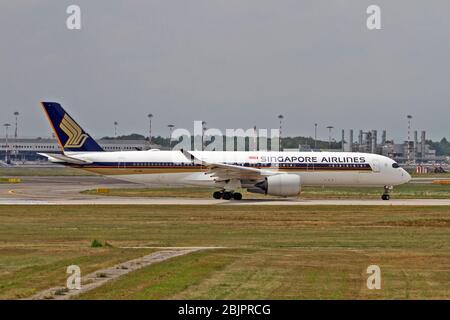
(66, 191)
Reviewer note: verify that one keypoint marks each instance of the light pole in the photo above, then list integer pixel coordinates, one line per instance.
(170, 126)
(15, 151)
(408, 151)
(255, 139)
(16, 114)
(329, 136)
(115, 128)
(6, 125)
(203, 134)
(150, 116)
(280, 117)
(315, 136)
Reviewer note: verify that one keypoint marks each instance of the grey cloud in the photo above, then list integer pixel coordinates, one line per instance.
(233, 63)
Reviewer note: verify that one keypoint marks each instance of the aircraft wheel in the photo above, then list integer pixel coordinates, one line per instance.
(227, 196)
(385, 197)
(237, 196)
(217, 195)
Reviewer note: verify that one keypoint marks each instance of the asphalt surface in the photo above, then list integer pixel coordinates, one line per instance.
(66, 191)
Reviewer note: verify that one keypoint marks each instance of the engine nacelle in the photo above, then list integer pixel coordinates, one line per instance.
(284, 185)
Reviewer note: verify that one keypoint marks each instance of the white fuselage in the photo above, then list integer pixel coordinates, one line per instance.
(314, 168)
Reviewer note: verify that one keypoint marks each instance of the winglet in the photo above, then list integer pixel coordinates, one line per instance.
(192, 158)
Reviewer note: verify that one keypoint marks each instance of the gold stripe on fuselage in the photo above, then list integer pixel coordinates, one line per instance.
(108, 171)
(162, 170)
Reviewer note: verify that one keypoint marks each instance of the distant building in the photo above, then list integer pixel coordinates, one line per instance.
(399, 152)
(301, 147)
(27, 149)
(413, 151)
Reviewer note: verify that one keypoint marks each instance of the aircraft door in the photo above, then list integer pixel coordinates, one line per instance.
(375, 164)
(121, 163)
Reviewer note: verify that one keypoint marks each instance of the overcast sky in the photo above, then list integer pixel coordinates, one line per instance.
(232, 63)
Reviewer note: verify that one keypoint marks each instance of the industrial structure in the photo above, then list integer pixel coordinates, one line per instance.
(410, 151)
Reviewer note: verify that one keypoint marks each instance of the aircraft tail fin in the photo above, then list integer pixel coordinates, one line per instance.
(70, 135)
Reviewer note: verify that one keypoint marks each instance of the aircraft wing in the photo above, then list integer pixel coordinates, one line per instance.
(227, 172)
(223, 171)
(56, 157)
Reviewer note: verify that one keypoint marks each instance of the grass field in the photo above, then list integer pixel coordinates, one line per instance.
(45, 171)
(272, 252)
(407, 191)
(429, 175)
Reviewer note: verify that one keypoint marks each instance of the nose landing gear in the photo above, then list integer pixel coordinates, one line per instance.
(227, 195)
(386, 195)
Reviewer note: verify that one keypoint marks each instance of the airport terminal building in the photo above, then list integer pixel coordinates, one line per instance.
(24, 150)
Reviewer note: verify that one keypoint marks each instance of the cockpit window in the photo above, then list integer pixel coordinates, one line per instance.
(395, 165)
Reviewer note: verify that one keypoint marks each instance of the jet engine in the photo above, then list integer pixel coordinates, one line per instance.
(284, 185)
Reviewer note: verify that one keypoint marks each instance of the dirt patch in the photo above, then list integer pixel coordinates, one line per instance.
(437, 223)
(100, 277)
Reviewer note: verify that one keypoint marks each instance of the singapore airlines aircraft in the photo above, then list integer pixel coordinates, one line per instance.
(274, 173)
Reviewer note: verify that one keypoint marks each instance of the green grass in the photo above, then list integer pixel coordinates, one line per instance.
(27, 270)
(406, 191)
(430, 175)
(46, 171)
(166, 279)
(274, 252)
(284, 274)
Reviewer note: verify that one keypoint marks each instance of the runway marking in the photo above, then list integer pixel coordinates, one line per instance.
(100, 277)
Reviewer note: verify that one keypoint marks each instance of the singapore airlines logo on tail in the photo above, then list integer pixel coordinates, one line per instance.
(76, 136)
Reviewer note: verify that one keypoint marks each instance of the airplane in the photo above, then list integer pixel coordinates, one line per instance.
(281, 174)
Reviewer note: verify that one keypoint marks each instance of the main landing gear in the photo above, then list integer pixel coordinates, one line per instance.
(386, 195)
(227, 195)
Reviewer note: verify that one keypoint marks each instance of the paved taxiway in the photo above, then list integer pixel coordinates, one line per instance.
(66, 191)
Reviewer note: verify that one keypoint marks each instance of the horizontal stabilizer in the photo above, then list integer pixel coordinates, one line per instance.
(56, 157)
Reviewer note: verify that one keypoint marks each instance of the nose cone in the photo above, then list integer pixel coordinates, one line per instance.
(406, 177)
